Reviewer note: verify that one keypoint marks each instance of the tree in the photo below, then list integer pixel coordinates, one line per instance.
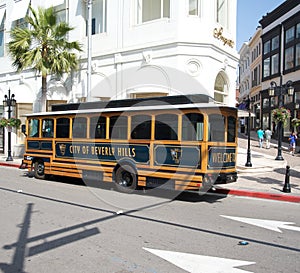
(43, 46)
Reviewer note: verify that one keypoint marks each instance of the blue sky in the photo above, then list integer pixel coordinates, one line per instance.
(249, 12)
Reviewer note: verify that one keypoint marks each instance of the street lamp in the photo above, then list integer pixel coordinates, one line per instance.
(280, 91)
(248, 102)
(9, 101)
(89, 48)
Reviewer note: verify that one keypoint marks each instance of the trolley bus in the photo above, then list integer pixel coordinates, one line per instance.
(175, 142)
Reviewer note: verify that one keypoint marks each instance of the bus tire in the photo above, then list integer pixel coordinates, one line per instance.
(126, 179)
(39, 169)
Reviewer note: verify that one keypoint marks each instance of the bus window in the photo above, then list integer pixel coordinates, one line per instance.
(141, 127)
(98, 127)
(79, 127)
(192, 127)
(216, 127)
(166, 127)
(118, 127)
(33, 128)
(231, 129)
(47, 127)
(63, 128)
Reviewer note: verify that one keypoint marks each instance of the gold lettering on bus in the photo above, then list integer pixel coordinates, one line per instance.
(101, 150)
(74, 149)
(126, 152)
(223, 157)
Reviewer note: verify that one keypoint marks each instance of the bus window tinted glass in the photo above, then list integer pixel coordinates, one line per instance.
(216, 127)
(231, 129)
(192, 127)
(47, 127)
(79, 127)
(166, 127)
(63, 128)
(98, 127)
(33, 128)
(141, 127)
(118, 127)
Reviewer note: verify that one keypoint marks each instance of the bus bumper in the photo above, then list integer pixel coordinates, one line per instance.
(23, 165)
(224, 178)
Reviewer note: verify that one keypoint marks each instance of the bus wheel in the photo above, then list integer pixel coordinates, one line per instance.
(39, 170)
(126, 179)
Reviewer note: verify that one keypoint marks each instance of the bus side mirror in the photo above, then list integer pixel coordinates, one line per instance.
(23, 129)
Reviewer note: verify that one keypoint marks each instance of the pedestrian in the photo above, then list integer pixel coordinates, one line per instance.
(268, 134)
(260, 135)
(292, 140)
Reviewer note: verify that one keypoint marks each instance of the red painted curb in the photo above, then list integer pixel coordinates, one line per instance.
(264, 195)
(10, 164)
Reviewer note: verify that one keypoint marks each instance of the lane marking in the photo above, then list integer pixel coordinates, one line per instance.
(267, 224)
(194, 263)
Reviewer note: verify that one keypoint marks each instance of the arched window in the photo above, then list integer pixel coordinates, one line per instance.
(221, 89)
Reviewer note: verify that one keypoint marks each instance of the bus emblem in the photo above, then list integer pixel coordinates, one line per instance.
(62, 148)
(176, 155)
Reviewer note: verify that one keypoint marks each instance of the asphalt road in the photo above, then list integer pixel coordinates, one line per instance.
(59, 226)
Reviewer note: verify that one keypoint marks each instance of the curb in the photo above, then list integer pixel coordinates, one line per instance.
(15, 165)
(263, 195)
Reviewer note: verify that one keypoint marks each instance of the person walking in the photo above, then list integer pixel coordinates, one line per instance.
(268, 135)
(260, 135)
(292, 140)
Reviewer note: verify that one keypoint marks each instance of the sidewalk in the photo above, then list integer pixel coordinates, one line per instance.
(265, 179)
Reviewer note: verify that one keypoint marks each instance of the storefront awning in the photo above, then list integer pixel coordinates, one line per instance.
(243, 114)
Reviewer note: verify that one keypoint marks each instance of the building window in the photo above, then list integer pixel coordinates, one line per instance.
(61, 13)
(220, 93)
(275, 42)
(19, 23)
(2, 46)
(289, 58)
(255, 77)
(266, 67)
(297, 55)
(222, 11)
(289, 35)
(267, 47)
(292, 47)
(194, 8)
(149, 10)
(275, 64)
(271, 56)
(99, 15)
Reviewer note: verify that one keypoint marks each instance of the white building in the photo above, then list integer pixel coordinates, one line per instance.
(137, 48)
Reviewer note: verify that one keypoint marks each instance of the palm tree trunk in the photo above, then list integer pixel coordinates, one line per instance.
(44, 94)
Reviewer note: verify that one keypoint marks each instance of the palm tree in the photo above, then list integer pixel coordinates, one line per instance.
(43, 46)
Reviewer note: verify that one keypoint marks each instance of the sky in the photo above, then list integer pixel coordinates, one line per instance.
(249, 13)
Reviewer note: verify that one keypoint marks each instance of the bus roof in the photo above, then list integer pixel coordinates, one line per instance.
(169, 102)
(131, 109)
(165, 100)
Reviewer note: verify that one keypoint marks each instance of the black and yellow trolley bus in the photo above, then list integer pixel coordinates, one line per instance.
(175, 142)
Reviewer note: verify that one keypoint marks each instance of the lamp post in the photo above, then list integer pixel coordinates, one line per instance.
(89, 48)
(9, 101)
(280, 91)
(248, 163)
